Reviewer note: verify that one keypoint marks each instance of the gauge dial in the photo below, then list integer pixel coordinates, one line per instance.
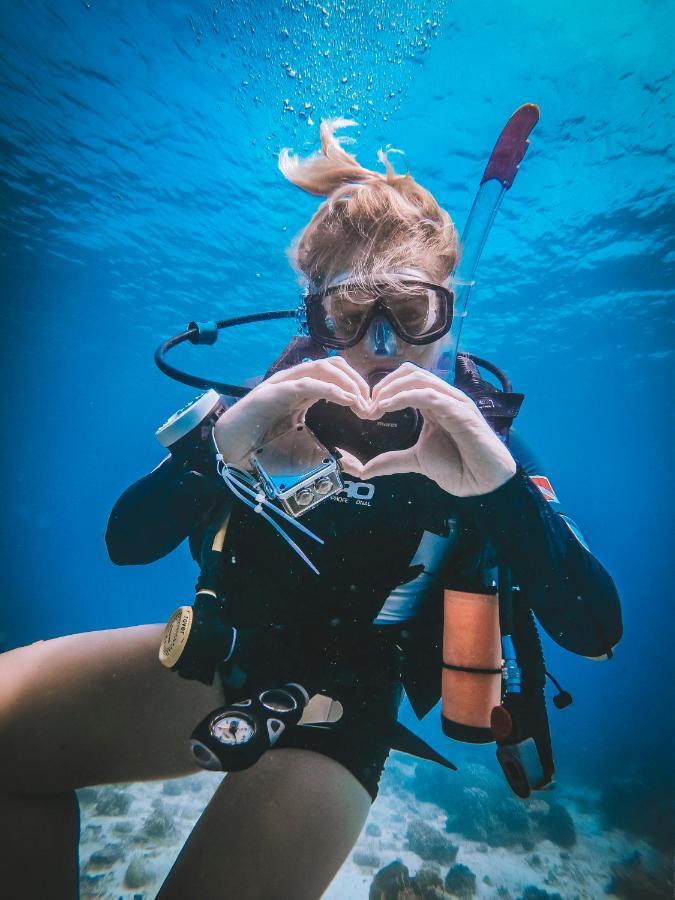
(233, 729)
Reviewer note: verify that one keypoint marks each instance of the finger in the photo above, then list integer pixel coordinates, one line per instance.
(428, 401)
(341, 363)
(329, 373)
(334, 370)
(404, 376)
(422, 380)
(349, 463)
(395, 462)
(302, 392)
(405, 368)
(338, 368)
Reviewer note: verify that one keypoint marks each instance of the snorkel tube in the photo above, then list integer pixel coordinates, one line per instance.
(499, 175)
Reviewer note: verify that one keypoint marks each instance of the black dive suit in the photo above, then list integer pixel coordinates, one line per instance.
(400, 539)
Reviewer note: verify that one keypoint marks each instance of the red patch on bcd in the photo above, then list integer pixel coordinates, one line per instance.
(545, 487)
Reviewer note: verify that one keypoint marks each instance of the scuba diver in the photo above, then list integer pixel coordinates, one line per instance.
(365, 521)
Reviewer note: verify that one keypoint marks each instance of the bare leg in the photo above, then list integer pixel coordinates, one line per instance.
(98, 708)
(280, 830)
(84, 709)
(39, 837)
(95, 708)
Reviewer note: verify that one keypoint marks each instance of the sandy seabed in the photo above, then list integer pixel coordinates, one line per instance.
(131, 835)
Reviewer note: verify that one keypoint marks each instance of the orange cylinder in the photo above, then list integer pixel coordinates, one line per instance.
(472, 660)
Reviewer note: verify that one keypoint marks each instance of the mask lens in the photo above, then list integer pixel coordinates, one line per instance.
(417, 310)
(337, 316)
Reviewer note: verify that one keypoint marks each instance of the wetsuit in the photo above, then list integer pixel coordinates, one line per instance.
(372, 619)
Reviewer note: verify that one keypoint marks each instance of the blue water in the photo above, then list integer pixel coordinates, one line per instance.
(140, 191)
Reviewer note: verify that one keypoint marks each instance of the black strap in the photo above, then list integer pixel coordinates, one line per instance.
(469, 669)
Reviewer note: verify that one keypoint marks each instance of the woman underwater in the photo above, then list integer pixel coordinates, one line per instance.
(98, 708)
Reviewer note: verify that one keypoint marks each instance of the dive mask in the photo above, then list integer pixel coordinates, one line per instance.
(418, 311)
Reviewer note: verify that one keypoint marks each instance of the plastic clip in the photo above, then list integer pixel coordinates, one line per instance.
(203, 332)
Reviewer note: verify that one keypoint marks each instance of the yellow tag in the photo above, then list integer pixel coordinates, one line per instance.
(175, 636)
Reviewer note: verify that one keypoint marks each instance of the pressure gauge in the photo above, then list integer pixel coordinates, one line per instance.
(233, 729)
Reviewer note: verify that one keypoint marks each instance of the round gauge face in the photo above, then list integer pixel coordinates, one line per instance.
(233, 729)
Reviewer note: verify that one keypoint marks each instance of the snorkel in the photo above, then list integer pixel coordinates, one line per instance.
(499, 175)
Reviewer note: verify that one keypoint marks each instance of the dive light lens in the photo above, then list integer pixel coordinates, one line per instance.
(323, 486)
(304, 497)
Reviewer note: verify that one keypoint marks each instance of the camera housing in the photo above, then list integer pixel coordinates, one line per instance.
(297, 470)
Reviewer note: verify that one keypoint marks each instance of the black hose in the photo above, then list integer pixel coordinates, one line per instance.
(192, 335)
(491, 367)
(505, 591)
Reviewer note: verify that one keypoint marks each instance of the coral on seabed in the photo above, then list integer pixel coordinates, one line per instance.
(501, 822)
(436, 785)
(112, 802)
(138, 873)
(366, 857)
(159, 825)
(429, 843)
(641, 808)
(534, 893)
(632, 881)
(106, 856)
(173, 788)
(429, 884)
(460, 882)
(557, 825)
(392, 883)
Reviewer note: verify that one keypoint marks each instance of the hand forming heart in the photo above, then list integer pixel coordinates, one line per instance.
(281, 401)
(456, 448)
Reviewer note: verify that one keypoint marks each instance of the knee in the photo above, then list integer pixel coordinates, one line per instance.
(17, 748)
(45, 829)
(22, 811)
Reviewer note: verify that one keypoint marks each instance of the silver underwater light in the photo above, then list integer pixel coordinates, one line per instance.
(297, 470)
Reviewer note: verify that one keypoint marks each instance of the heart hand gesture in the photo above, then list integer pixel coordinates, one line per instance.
(456, 448)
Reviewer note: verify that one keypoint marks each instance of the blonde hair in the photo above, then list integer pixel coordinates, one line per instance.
(371, 222)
